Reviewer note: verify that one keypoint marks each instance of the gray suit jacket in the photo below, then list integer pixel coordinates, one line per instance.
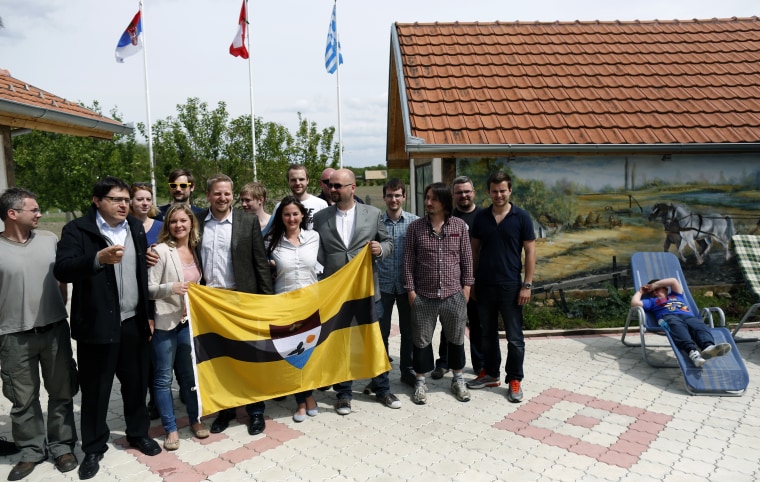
(333, 254)
(249, 258)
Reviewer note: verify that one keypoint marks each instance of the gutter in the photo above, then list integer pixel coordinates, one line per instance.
(58, 116)
(396, 50)
(670, 148)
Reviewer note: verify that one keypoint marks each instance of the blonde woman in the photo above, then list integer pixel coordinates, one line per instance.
(168, 280)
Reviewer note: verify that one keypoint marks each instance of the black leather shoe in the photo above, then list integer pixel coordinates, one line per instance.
(146, 445)
(257, 424)
(222, 422)
(22, 469)
(89, 466)
(66, 462)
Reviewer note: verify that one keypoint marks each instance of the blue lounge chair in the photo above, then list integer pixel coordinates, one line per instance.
(725, 375)
(747, 249)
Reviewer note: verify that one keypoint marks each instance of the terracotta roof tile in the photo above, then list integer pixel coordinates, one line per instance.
(583, 82)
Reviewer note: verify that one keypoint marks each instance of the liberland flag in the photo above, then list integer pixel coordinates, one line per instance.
(333, 56)
(237, 47)
(249, 348)
(130, 42)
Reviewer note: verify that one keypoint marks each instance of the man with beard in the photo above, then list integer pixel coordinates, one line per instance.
(181, 187)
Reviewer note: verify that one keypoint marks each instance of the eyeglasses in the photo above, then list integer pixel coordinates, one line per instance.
(118, 200)
(181, 185)
(326, 182)
(462, 193)
(35, 210)
(339, 186)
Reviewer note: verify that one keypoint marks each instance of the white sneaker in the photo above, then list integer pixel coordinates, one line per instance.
(459, 389)
(696, 358)
(715, 350)
(420, 394)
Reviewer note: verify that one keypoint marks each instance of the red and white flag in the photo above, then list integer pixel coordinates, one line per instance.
(237, 48)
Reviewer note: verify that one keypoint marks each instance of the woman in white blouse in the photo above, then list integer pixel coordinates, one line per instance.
(292, 251)
(168, 280)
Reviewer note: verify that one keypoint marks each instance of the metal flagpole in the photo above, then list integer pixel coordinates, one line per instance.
(147, 106)
(250, 83)
(337, 78)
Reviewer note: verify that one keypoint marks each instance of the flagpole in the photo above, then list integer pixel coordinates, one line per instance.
(147, 107)
(250, 84)
(337, 79)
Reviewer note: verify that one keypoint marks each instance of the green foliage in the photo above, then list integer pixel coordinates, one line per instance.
(61, 169)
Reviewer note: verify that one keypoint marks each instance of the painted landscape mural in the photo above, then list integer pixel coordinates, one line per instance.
(588, 210)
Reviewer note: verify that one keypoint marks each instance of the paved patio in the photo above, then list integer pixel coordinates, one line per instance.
(593, 410)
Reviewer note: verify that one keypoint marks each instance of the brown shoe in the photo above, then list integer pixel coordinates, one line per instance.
(66, 462)
(22, 469)
(199, 430)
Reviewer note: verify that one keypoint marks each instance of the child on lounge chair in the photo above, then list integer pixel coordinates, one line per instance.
(665, 299)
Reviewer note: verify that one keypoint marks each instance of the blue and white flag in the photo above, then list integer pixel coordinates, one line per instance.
(332, 51)
(130, 42)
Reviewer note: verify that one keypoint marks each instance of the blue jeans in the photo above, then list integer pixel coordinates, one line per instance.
(689, 333)
(404, 325)
(493, 300)
(168, 346)
(381, 384)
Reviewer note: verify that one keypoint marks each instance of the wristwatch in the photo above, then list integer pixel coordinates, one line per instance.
(527, 285)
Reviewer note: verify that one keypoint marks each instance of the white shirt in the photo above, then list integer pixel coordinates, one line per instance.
(296, 265)
(216, 252)
(344, 222)
(313, 204)
(117, 235)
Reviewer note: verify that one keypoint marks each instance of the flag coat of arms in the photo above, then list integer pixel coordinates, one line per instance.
(130, 41)
(250, 348)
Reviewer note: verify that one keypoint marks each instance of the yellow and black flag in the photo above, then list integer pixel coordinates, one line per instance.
(250, 348)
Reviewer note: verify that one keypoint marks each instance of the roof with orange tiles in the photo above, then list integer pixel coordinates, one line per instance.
(574, 85)
(24, 106)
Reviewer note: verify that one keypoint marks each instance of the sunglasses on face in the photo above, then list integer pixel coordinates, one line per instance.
(181, 185)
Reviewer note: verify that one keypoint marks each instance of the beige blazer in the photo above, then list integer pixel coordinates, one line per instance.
(161, 277)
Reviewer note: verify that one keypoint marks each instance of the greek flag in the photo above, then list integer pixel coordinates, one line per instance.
(332, 51)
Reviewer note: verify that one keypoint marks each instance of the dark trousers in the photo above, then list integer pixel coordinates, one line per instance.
(128, 360)
(689, 333)
(493, 300)
(404, 325)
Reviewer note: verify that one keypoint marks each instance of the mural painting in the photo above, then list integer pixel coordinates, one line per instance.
(587, 210)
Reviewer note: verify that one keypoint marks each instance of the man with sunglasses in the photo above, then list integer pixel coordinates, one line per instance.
(325, 185)
(103, 254)
(35, 339)
(181, 187)
(345, 228)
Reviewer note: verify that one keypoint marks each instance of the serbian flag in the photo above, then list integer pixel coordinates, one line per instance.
(237, 47)
(250, 348)
(131, 40)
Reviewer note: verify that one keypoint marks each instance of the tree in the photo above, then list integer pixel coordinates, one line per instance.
(61, 169)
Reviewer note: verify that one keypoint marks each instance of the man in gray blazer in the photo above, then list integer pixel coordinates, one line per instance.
(233, 257)
(345, 228)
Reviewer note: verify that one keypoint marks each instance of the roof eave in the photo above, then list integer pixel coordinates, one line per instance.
(398, 58)
(51, 118)
(430, 150)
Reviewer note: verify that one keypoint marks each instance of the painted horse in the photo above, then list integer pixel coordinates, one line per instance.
(693, 229)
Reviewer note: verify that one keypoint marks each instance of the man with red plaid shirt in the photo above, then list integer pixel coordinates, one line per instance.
(437, 278)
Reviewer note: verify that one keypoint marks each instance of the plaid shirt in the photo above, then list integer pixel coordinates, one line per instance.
(437, 266)
(390, 270)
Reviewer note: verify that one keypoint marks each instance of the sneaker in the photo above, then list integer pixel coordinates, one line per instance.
(438, 373)
(459, 389)
(420, 394)
(390, 400)
(715, 350)
(696, 358)
(483, 380)
(514, 392)
(343, 406)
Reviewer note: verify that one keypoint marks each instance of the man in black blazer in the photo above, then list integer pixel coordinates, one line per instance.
(345, 228)
(233, 257)
(103, 255)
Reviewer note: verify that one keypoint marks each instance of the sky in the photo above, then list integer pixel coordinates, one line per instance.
(66, 47)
